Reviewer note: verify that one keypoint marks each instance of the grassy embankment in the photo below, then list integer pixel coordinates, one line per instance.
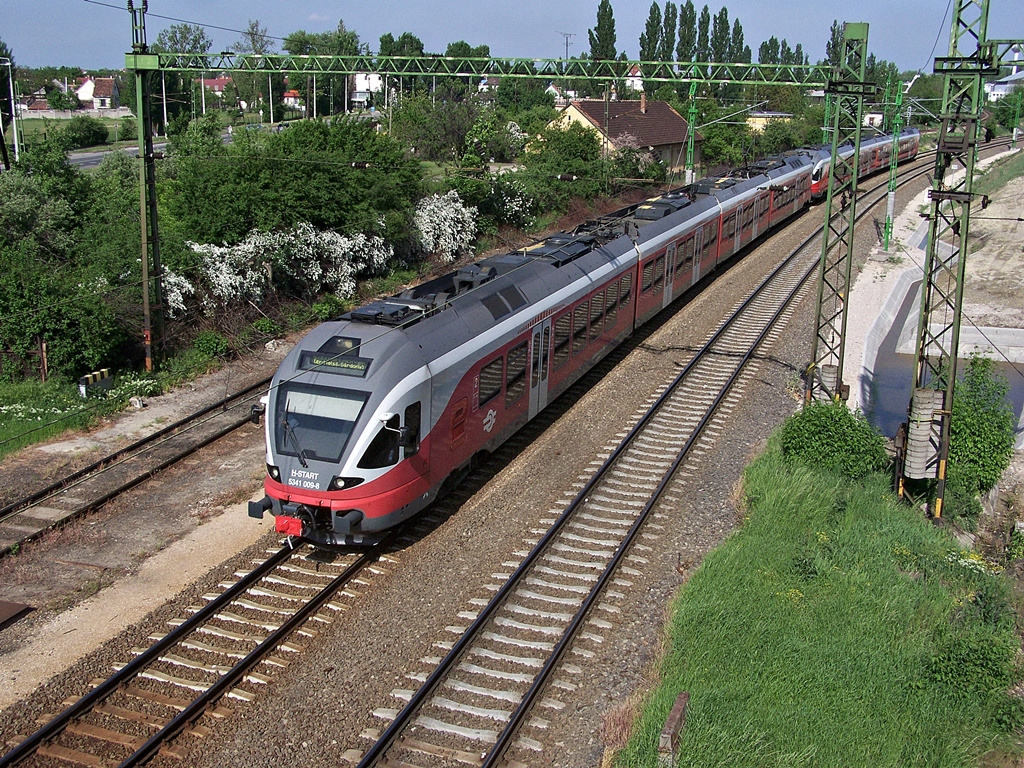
(836, 628)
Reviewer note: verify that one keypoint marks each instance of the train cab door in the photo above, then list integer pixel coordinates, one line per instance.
(540, 366)
(670, 272)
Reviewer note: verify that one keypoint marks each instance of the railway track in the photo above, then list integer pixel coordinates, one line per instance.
(483, 702)
(224, 650)
(91, 487)
(602, 526)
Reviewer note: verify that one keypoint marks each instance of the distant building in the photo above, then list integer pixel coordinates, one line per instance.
(1001, 88)
(757, 121)
(634, 79)
(215, 85)
(291, 98)
(98, 93)
(653, 125)
(562, 97)
(364, 85)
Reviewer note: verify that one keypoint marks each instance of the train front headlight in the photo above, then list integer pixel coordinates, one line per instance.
(341, 483)
(274, 472)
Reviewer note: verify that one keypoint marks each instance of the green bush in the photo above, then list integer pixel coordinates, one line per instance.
(981, 430)
(972, 660)
(267, 327)
(829, 436)
(327, 306)
(210, 344)
(84, 131)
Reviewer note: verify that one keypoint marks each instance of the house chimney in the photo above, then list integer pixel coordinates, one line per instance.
(643, 102)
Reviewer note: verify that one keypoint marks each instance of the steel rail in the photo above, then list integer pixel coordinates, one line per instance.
(53, 728)
(431, 684)
(204, 701)
(59, 485)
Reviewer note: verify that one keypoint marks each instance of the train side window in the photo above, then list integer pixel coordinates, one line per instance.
(412, 423)
(659, 273)
(545, 346)
(687, 252)
(625, 290)
(515, 373)
(490, 380)
(710, 237)
(563, 332)
(612, 313)
(596, 315)
(458, 431)
(383, 449)
(648, 277)
(579, 327)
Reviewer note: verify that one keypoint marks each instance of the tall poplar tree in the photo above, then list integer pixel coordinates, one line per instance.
(651, 36)
(834, 46)
(736, 45)
(720, 36)
(687, 32)
(703, 49)
(602, 36)
(668, 31)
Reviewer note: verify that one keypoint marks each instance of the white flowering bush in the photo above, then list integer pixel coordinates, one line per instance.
(328, 260)
(446, 226)
(510, 202)
(176, 289)
(304, 258)
(516, 137)
(233, 273)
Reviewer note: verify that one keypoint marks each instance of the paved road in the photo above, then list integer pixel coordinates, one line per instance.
(92, 159)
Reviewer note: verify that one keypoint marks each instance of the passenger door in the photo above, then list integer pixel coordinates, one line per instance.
(670, 273)
(540, 366)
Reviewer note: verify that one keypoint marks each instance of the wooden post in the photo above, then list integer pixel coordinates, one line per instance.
(668, 741)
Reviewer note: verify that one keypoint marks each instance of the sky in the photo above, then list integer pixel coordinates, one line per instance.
(93, 34)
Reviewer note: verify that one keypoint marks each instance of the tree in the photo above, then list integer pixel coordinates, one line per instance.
(254, 40)
(179, 87)
(737, 48)
(460, 49)
(330, 89)
(768, 52)
(720, 36)
(668, 31)
(702, 52)
(650, 38)
(407, 44)
(834, 46)
(687, 32)
(602, 36)
(184, 38)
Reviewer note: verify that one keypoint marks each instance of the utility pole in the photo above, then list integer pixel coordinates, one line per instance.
(848, 89)
(923, 443)
(894, 152)
(14, 107)
(143, 62)
(566, 35)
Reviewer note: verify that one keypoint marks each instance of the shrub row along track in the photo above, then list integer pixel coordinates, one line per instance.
(474, 703)
(227, 648)
(93, 486)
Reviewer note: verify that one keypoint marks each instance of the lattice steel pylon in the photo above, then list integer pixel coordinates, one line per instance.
(923, 446)
(847, 87)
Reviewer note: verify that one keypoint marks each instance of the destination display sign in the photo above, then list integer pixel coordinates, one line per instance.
(344, 364)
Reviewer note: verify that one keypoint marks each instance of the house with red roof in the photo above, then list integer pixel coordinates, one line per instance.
(646, 124)
(98, 92)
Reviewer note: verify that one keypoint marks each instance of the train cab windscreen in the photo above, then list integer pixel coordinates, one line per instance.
(316, 422)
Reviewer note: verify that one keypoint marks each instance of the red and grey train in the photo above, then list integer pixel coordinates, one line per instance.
(372, 415)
